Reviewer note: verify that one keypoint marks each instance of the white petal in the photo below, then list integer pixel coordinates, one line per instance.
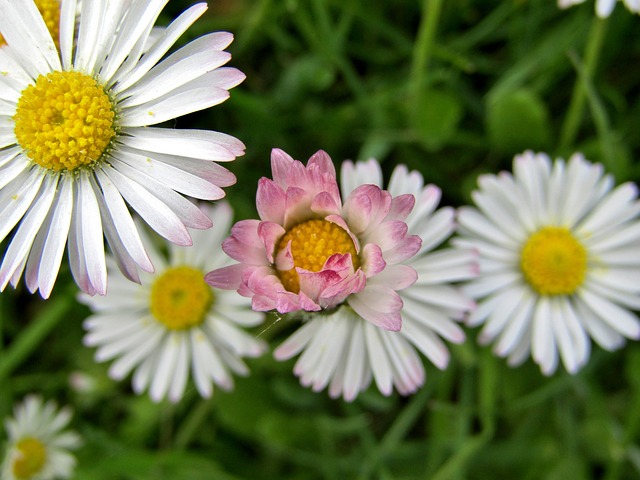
(122, 222)
(56, 238)
(199, 144)
(16, 198)
(543, 345)
(427, 342)
(602, 333)
(88, 215)
(167, 358)
(188, 98)
(190, 62)
(16, 254)
(172, 177)
(297, 341)
(23, 28)
(138, 19)
(614, 209)
(355, 364)
(380, 365)
(188, 213)
(158, 215)
(168, 37)
(616, 317)
(474, 222)
(181, 372)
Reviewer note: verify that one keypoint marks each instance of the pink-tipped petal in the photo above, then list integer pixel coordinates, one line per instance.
(226, 278)
(401, 207)
(270, 201)
(280, 164)
(323, 162)
(379, 305)
(324, 204)
(270, 234)
(372, 260)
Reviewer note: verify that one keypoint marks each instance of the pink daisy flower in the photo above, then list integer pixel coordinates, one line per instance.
(312, 252)
(344, 352)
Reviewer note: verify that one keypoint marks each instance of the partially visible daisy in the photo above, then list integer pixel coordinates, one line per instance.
(559, 260)
(345, 351)
(174, 325)
(38, 442)
(78, 146)
(603, 7)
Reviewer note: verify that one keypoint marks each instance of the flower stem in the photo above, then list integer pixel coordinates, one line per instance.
(575, 111)
(424, 45)
(31, 337)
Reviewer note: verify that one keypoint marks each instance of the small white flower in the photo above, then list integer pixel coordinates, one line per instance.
(38, 445)
(345, 352)
(603, 7)
(559, 260)
(78, 142)
(174, 325)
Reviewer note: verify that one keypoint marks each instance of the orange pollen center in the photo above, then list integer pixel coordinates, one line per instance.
(312, 243)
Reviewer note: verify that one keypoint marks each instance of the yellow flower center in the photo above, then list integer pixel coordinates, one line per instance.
(50, 11)
(553, 261)
(180, 298)
(30, 459)
(64, 121)
(312, 243)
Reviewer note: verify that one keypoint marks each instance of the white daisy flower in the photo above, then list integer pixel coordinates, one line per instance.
(78, 147)
(38, 443)
(344, 351)
(174, 323)
(603, 7)
(559, 260)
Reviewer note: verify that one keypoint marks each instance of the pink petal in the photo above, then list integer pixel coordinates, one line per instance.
(397, 276)
(338, 220)
(296, 207)
(270, 234)
(357, 211)
(324, 204)
(372, 260)
(280, 164)
(389, 234)
(379, 305)
(226, 278)
(284, 259)
(261, 303)
(246, 232)
(323, 161)
(270, 201)
(243, 253)
(339, 292)
(312, 284)
(407, 248)
(401, 207)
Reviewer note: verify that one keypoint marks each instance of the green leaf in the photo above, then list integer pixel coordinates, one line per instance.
(518, 121)
(436, 116)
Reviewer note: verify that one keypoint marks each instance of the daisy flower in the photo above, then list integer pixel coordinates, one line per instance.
(38, 443)
(78, 145)
(603, 7)
(310, 252)
(345, 351)
(173, 323)
(559, 260)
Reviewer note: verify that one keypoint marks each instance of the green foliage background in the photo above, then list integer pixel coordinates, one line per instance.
(453, 89)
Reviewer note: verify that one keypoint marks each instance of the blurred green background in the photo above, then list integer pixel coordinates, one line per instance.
(453, 89)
